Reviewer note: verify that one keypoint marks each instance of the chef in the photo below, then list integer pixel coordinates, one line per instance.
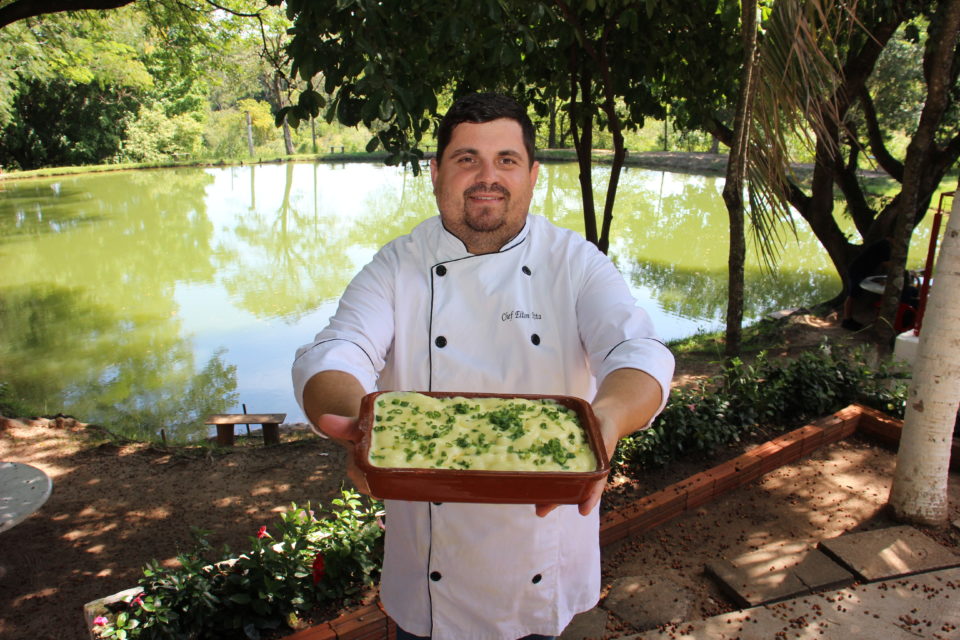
(487, 298)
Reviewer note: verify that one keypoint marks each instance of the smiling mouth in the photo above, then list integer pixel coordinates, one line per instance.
(486, 193)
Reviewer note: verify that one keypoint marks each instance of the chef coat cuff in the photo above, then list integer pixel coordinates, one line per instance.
(644, 354)
(332, 355)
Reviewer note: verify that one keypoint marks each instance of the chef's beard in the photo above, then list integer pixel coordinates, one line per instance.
(485, 218)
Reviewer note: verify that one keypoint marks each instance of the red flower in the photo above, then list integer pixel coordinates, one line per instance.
(262, 532)
(137, 600)
(318, 568)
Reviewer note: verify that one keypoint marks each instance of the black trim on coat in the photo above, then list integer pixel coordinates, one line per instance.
(317, 344)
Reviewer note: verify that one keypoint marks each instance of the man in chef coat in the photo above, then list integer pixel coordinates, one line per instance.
(487, 298)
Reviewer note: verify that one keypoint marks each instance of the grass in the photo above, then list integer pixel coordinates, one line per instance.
(761, 336)
(198, 162)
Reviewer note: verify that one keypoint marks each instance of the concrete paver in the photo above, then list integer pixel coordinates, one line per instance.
(917, 606)
(589, 624)
(645, 604)
(886, 553)
(776, 573)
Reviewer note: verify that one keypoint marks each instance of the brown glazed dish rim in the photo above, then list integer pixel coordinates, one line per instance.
(472, 485)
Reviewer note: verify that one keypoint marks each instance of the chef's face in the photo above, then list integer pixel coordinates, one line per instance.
(483, 183)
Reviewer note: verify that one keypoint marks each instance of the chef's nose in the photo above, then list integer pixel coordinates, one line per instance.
(488, 172)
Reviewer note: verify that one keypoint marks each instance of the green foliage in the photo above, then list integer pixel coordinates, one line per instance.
(88, 77)
(374, 73)
(765, 394)
(64, 123)
(154, 136)
(302, 562)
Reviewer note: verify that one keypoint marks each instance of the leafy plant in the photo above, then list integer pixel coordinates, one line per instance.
(302, 562)
(768, 394)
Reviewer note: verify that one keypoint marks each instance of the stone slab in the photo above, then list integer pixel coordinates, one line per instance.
(645, 603)
(888, 553)
(589, 625)
(777, 572)
(919, 606)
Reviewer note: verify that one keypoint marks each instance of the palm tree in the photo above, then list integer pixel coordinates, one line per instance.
(779, 79)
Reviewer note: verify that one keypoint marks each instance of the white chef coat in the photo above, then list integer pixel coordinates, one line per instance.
(549, 314)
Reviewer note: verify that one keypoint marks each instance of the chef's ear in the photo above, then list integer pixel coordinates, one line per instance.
(534, 172)
(434, 168)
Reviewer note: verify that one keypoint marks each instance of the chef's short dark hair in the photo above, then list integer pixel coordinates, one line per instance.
(485, 107)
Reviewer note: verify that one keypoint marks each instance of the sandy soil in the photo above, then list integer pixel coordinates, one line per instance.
(113, 508)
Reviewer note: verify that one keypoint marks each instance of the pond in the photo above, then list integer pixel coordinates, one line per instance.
(143, 300)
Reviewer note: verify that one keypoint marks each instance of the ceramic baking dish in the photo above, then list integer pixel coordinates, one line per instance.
(499, 487)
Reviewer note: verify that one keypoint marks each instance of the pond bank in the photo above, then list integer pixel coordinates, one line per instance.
(678, 161)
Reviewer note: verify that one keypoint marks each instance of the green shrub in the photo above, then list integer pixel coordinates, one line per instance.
(301, 563)
(768, 394)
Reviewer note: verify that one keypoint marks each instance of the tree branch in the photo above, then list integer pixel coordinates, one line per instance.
(845, 175)
(875, 138)
(22, 9)
(239, 14)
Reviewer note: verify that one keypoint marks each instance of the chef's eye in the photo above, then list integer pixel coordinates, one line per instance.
(465, 160)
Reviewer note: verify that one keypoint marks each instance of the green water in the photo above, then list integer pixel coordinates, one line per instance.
(147, 299)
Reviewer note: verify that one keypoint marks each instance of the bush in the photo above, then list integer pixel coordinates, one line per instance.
(743, 398)
(153, 136)
(302, 563)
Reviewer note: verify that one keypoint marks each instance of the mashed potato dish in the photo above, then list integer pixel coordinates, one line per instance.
(411, 430)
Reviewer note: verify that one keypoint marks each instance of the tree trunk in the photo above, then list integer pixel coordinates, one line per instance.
(250, 134)
(552, 131)
(287, 138)
(919, 492)
(581, 128)
(733, 187)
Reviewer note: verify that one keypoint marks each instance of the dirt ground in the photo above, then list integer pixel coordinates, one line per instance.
(114, 508)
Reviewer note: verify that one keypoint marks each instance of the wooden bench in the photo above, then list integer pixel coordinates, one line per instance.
(225, 423)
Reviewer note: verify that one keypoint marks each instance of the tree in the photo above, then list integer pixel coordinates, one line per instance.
(941, 67)
(40, 136)
(919, 491)
(733, 187)
(76, 67)
(601, 60)
(852, 47)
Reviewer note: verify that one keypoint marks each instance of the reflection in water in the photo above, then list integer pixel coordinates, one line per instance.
(148, 299)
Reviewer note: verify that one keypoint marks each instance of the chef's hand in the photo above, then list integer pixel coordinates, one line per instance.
(626, 401)
(345, 432)
(611, 436)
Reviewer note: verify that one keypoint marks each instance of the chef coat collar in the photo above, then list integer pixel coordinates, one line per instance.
(453, 248)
